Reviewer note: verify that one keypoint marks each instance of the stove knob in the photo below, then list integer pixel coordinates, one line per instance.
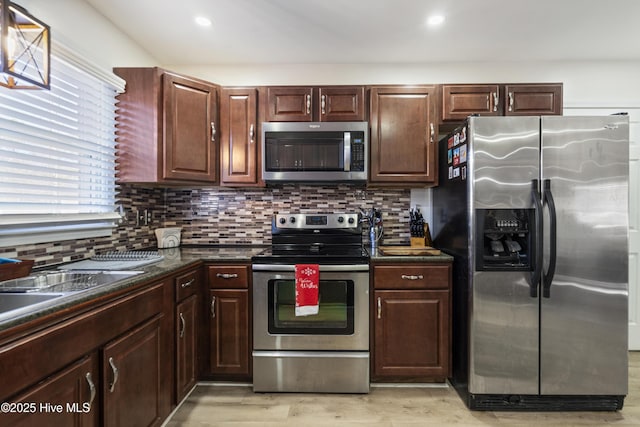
(351, 220)
(283, 220)
(340, 219)
(292, 220)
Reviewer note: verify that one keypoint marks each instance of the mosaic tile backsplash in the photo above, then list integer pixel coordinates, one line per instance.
(224, 216)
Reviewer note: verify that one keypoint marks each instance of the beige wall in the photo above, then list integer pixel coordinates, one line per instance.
(77, 25)
(602, 84)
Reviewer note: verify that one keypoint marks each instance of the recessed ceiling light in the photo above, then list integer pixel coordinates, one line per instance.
(202, 21)
(435, 20)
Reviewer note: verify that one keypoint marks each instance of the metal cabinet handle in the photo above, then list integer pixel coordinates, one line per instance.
(213, 306)
(432, 133)
(510, 101)
(323, 102)
(406, 277)
(92, 388)
(308, 104)
(115, 375)
(213, 132)
(187, 284)
(227, 276)
(251, 133)
(183, 325)
(379, 308)
(495, 101)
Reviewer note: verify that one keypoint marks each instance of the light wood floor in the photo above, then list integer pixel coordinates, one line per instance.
(239, 406)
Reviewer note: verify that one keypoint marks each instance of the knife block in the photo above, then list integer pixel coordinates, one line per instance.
(417, 242)
(425, 241)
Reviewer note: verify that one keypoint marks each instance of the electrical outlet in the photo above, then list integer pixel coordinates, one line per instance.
(148, 215)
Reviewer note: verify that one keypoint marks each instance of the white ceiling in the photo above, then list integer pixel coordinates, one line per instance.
(378, 31)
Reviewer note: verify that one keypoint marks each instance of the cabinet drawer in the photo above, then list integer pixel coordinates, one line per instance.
(228, 276)
(186, 284)
(411, 276)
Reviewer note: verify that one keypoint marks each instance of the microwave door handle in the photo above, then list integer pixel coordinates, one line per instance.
(347, 151)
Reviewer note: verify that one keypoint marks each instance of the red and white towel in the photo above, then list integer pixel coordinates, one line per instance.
(307, 281)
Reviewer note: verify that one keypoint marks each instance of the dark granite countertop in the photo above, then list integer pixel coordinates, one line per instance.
(174, 259)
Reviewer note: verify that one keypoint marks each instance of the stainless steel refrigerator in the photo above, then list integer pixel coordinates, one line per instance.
(535, 212)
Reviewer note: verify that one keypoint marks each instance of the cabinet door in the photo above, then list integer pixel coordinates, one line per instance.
(229, 353)
(533, 99)
(411, 334)
(289, 104)
(342, 104)
(460, 101)
(403, 140)
(131, 374)
(69, 398)
(186, 346)
(239, 136)
(190, 129)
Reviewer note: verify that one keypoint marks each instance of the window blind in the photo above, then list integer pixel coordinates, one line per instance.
(57, 155)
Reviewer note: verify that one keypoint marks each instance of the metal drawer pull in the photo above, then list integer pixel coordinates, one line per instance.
(324, 104)
(251, 133)
(432, 134)
(92, 389)
(187, 284)
(227, 276)
(308, 104)
(510, 101)
(213, 132)
(213, 306)
(183, 325)
(379, 308)
(418, 277)
(115, 375)
(495, 101)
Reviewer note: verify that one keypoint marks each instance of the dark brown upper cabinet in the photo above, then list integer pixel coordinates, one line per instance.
(462, 100)
(403, 136)
(167, 128)
(533, 99)
(320, 104)
(239, 137)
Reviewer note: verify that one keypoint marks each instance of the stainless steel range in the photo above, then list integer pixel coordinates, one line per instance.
(324, 352)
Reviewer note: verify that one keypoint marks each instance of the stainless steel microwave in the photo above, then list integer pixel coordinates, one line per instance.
(315, 151)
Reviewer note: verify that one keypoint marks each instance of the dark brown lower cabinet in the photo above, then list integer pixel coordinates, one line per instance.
(412, 334)
(229, 352)
(411, 319)
(131, 375)
(186, 345)
(69, 398)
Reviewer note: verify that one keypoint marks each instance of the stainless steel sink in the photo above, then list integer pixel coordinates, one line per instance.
(19, 296)
(65, 281)
(11, 302)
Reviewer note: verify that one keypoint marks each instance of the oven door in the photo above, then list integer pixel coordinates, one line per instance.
(342, 322)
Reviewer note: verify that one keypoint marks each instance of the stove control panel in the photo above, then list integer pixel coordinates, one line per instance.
(316, 221)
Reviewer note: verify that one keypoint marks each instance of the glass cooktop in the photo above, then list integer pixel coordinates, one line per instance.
(313, 254)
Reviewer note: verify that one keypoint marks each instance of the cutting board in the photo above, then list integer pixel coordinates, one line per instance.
(409, 250)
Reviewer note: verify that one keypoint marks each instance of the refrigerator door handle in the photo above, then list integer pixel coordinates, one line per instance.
(537, 269)
(547, 276)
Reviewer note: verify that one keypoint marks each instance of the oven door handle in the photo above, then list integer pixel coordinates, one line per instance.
(293, 354)
(323, 267)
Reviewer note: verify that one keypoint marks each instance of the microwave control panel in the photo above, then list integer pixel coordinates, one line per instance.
(357, 151)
